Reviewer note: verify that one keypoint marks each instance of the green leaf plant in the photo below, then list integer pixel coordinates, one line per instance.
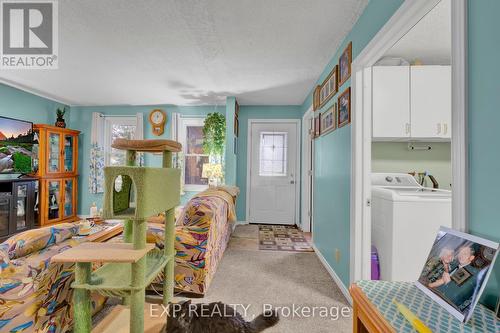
(214, 135)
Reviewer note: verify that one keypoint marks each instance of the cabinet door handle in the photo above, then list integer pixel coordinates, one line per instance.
(407, 128)
(445, 126)
(438, 128)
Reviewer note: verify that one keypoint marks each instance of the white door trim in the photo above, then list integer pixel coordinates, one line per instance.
(306, 188)
(398, 25)
(249, 158)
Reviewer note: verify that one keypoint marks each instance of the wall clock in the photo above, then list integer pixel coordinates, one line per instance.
(158, 119)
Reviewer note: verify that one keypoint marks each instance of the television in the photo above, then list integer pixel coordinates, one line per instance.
(16, 145)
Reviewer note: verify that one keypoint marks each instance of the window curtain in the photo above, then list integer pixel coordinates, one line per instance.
(177, 158)
(96, 174)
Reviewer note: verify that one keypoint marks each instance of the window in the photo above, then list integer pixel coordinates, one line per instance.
(273, 154)
(191, 137)
(117, 127)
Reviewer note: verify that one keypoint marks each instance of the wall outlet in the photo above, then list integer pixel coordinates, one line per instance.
(337, 255)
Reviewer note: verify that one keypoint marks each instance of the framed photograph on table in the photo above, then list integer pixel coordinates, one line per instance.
(344, 108)
(345, 61)
(457, 270)
(329, 120)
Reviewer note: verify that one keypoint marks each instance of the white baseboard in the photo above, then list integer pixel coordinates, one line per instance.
(334, 275)
(242, 222)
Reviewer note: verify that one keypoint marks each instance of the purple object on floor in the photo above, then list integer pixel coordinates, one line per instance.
(375, 264)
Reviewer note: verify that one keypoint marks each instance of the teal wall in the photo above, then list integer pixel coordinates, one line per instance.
(15, 103)
(332, 191)
(82, 120)
(484, 117)
(333, 153)
(230, 156)
(255, 112)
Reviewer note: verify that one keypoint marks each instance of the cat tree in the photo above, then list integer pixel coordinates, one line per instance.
(130, 266)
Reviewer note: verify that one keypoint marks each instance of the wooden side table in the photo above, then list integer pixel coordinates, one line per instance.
(374, 311)
(366, 317)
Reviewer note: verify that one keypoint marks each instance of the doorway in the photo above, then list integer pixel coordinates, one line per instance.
(273, 174)
(407, 16)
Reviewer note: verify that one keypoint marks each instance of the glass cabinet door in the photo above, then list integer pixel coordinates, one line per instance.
(21, 206)
(54, 199)
(4, 214)
(69, 143)
(54, 153)
(68, 197)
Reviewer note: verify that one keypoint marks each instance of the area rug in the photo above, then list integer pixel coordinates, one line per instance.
(282, 238)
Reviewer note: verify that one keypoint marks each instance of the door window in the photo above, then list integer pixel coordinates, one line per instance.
(273, 154)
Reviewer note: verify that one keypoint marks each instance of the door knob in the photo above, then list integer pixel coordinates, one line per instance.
(292, 181)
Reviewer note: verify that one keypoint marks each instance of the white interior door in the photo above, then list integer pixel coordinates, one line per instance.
(273, 172)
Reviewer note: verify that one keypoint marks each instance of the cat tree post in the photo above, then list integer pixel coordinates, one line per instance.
(82, 309)
(130, 157)
(169, 248)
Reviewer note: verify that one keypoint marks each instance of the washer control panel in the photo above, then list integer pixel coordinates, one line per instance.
(394, 180)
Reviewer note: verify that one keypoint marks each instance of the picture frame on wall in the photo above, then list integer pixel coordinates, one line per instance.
(329, 120)
(316, 97)
(236, 120)
(329, 87)
(317, 126)
(344, 108)
(345, 61)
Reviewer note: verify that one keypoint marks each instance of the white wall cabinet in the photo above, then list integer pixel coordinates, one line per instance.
(391, 102)
(411, 102)
(430, 96)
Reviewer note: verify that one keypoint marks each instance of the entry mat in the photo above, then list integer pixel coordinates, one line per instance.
(282, 238)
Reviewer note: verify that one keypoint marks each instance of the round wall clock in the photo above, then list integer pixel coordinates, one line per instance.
(158, 119)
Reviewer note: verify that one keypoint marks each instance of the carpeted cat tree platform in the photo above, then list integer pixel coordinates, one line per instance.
(131, 266)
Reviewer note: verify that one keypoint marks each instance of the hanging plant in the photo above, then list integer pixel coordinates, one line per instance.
(214, 134)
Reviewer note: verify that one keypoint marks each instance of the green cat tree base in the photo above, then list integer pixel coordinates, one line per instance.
(129, 268)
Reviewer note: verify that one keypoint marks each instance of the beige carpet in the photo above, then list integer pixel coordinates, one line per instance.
(252, 277)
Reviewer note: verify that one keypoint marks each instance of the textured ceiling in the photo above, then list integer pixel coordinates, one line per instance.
(191, 52)
(429, 40)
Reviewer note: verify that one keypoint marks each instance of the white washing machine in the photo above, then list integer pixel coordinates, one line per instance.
(405, 219)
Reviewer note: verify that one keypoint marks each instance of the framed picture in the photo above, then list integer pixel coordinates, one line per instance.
(317, 126)
(329, 87)
(329, 120)
(316, 98)
(236, 120)
(344, 106)
(456, 271)
(345, 64)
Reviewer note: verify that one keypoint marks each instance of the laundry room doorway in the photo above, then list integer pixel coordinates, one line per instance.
(408, 125)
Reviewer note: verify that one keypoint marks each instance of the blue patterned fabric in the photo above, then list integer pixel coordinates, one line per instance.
(381, 294)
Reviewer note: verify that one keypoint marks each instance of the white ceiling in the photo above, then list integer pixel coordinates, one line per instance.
(191, 52)
(429, 40)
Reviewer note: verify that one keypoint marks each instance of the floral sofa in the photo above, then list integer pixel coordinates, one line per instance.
(202, 233)
(35, 294)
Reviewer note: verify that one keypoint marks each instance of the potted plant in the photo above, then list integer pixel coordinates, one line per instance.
(60, 117)
(214, 136)
(214, 141)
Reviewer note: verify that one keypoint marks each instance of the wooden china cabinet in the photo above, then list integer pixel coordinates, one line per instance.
(57, 171)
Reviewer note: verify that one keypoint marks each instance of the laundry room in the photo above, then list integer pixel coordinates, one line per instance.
(411, 147)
